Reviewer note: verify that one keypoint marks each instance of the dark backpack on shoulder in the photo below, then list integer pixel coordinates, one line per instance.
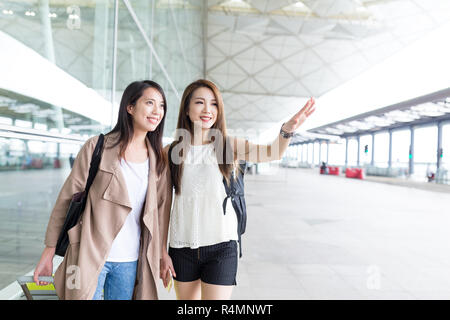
(235, 191)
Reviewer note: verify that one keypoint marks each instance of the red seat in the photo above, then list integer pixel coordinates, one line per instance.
(355, 173)
(333, 171)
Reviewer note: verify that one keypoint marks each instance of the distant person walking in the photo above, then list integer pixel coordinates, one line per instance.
(71, 160)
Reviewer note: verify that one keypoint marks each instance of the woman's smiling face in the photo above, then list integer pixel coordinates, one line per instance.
(148, 111)
(203, 108)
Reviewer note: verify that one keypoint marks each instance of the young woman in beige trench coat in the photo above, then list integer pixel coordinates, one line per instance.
(136, 138)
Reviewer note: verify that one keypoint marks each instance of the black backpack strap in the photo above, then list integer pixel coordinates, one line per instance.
(95, 162)
(229, 190)
(240, 245)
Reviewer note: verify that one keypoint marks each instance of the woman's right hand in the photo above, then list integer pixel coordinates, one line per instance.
(166, 267)
(45, 266)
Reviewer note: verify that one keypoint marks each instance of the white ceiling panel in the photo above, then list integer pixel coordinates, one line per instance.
(296, 50)
(270, 55)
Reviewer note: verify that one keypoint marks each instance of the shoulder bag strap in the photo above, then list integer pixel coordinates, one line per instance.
(95, 162)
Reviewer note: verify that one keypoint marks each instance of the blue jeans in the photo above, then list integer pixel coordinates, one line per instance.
(116, 281)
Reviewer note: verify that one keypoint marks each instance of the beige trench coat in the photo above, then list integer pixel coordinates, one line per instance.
(106, 210)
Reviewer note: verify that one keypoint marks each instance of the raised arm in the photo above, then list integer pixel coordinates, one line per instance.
(245, 150)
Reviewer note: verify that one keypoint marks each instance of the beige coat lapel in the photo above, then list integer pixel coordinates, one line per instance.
(116, 191)
(150, 200)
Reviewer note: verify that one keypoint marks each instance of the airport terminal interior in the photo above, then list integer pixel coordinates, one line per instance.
(357, 208)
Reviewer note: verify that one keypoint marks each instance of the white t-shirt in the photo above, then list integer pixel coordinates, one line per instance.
(197, 217)
(125, 247)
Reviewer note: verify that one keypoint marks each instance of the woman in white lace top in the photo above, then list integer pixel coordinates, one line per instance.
(202, 255)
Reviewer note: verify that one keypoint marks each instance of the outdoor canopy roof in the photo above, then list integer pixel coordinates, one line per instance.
(431, 108)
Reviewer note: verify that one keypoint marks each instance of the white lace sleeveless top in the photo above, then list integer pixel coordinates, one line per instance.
(197, 217)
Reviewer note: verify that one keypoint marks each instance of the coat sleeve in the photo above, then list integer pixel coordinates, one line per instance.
(75, 182)
(165, 188)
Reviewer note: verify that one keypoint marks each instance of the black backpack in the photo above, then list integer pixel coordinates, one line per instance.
(235, 191)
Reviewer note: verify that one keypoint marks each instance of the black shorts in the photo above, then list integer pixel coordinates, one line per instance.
(215, 264)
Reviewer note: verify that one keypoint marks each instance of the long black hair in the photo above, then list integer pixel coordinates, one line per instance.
(125, 127)
(223, 145)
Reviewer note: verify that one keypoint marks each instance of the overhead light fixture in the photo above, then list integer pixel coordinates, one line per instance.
(30, 13)
(346, 128)
(443, 106)
(296, 8)
(234, 6)
(8, 12)
(362, 125)
(429, 110)
(401, 116)
(432, 109)
(72, 120)
(52, 15)
(6, 101)
(43, 113)
(334, 131)
(24, 108)
(167, 4)
(379, 121)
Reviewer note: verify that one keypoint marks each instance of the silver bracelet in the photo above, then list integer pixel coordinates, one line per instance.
(285, 134)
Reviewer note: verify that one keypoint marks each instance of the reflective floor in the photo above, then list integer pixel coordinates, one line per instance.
(26, 200)
(308, 236)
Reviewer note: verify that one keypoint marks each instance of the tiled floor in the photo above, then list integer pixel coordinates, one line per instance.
(308, 236)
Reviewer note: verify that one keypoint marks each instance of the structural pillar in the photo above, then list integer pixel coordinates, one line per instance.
(372, 161)
(301, 154)
(307, 152)
(328, 151)
(358, 139)
(320, 152)
(411, 152)
(346, 151)
(390, 150)
(439, 148)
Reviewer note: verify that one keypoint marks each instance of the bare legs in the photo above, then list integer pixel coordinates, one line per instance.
(196, 290)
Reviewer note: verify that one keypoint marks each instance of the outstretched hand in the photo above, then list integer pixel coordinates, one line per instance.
(300, 117)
